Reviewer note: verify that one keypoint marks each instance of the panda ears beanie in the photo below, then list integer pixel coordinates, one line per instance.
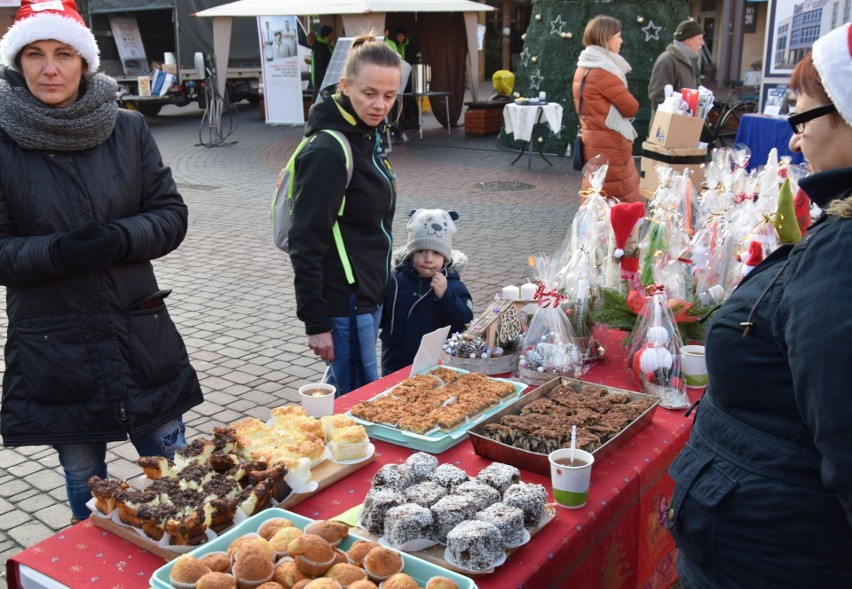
(431, 229)
(40, 20)
(832, 55)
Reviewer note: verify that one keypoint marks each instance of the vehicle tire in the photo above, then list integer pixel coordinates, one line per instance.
(148, 109)
(726, 132)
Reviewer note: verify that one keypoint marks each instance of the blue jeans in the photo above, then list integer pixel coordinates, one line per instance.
(82, 461)
(368, 333)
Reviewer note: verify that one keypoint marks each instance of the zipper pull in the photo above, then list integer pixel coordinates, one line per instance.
(123, 414)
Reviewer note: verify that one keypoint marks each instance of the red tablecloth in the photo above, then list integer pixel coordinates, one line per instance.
(617, 540)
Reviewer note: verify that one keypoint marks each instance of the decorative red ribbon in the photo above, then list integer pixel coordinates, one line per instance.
(547, 298)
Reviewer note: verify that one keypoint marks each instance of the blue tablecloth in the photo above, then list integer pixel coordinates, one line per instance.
(763, 132)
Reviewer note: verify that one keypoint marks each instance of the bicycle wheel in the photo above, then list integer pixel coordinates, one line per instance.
(726, 130)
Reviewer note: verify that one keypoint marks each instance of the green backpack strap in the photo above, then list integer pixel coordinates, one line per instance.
(335, 230)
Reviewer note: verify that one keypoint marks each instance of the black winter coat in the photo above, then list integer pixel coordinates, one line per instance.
(771, 449)
(322, 290)
(87, 360)
(412, 310)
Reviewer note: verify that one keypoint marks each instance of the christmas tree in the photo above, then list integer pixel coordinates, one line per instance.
(553, 43)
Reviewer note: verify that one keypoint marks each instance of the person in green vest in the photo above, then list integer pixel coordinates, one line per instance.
(408, 52)
(389, 41)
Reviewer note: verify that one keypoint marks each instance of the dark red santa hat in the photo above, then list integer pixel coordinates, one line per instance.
(623, 217)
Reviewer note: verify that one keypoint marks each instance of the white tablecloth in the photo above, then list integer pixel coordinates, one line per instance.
(520, 120)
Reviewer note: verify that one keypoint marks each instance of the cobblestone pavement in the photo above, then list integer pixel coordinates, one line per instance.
(233, 298)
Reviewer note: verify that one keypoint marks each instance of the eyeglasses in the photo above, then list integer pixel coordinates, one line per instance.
(798, 120)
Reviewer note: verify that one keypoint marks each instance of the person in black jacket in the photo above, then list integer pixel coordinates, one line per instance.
(340, 240)
(425, 292)
(321, 57)
(770, 448)
(85, 205)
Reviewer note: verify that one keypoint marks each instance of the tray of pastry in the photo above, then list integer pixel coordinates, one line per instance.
(433, 411)
(440, 513)
(215, 483)
(278, 545)
(526, 431)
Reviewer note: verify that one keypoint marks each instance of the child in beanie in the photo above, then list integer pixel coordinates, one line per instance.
(425, 292)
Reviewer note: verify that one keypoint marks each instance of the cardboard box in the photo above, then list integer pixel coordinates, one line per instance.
(673, 130)
(678, 159)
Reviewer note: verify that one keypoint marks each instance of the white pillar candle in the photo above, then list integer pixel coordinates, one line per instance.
(511, 292)
(528, 291)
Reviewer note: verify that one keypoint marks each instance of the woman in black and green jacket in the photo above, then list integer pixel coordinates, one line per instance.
(339, 293)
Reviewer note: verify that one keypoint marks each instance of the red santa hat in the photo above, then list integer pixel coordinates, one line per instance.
(754, 256)
(623, 217)
(832, 54)
(39, 20)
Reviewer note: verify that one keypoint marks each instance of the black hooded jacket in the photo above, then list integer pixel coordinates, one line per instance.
(90, 356)
(322, 290)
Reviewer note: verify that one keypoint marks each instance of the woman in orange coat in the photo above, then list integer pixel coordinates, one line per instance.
(607, 107)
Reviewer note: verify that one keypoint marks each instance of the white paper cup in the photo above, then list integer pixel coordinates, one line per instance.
(694, 366)
(570, 483)
(318, 399)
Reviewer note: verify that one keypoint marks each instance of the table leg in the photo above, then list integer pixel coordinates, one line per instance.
(447, 104)
(420, 116)
(520, 154)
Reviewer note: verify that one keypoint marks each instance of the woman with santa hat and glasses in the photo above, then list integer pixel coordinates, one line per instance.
(771, 449)
(85, 205)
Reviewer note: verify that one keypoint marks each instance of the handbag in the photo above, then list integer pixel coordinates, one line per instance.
(577, 149)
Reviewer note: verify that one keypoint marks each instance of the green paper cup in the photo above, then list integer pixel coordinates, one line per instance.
(570, 478)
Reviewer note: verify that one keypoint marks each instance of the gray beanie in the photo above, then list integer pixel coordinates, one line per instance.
(431, 229)
(688, 29)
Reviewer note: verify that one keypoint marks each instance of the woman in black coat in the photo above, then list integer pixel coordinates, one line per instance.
(85, 205)
(763, 489)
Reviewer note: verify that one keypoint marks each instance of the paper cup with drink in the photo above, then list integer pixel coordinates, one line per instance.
(318, 399)
(570, 475)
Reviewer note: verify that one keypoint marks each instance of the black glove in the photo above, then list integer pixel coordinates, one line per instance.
(86, 249)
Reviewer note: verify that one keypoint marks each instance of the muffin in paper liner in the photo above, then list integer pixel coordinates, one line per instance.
(218, 561)
(189, 569)
(376, 575)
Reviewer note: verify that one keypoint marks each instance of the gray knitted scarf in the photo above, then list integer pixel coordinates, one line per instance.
(33, 124)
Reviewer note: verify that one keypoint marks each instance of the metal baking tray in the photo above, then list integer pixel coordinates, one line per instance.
(535, 461)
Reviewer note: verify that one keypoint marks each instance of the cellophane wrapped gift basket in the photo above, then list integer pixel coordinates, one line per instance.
(551, 348)
(653, 352)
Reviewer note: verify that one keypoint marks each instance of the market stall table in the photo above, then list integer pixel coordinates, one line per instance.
(618, 539)
(522, 121)
(763, 132)
(419, 96)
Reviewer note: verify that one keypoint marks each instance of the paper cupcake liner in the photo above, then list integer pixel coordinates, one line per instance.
(184, 548)
(317, 566)
(178, 585)
(251, 584)
(524, 539)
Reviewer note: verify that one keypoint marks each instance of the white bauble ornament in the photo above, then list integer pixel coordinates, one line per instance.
(534, 59)
(653, 359)
(640, 19)
(658, 335)
(538, 17)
